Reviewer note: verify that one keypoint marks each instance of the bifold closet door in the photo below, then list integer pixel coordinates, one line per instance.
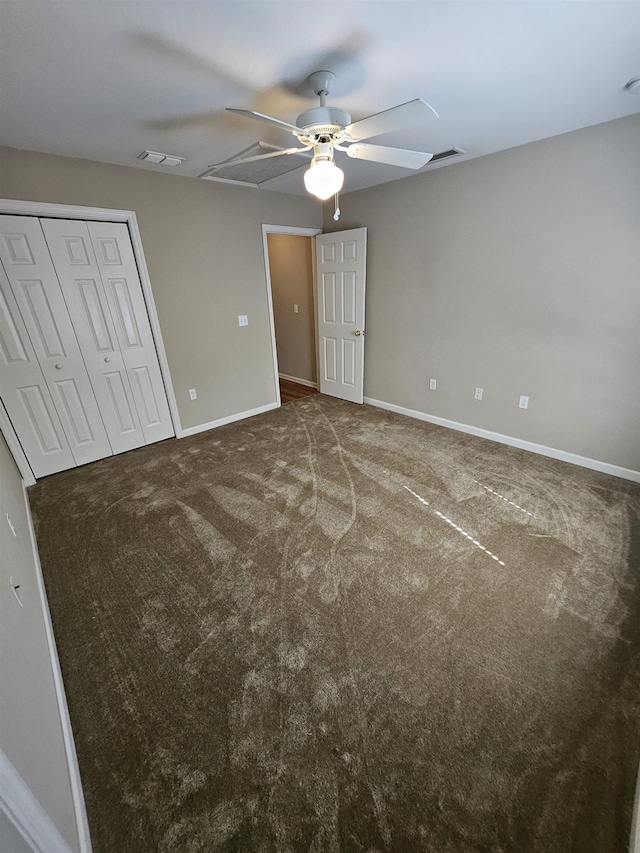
(84, 293)
(114, 253)
(99, 277)
(37, 292)
(25, 393)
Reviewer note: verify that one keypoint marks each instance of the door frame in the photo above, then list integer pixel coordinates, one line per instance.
(296, 232)
(15, 207)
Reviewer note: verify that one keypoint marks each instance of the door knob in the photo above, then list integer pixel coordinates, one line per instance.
(58, 367)
(357, 333)
(107, 359)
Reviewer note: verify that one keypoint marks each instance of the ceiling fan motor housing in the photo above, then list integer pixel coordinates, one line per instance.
(323, 120)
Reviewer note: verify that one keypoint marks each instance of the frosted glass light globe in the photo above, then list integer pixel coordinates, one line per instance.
(323, 179)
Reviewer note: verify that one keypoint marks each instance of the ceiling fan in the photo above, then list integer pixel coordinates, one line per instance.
(326, 130)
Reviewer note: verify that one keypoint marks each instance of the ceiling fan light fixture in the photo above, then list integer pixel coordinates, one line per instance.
(324, 129)
(323, 178)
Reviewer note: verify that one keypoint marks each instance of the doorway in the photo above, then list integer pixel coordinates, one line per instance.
(289, 263)
(338, 262)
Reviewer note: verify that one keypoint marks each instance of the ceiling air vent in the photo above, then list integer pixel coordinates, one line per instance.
(161, 159)
(444, 155)
(256, 173)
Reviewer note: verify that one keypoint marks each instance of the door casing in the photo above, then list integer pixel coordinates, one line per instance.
(304, 232)
(64, 211)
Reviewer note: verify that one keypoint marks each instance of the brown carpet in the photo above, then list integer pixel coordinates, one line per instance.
(332, 628)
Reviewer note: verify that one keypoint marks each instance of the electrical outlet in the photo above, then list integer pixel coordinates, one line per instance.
(478, 394)
(192, 394)
(432, 384)
(295, 308)
(243, 320)
(524, 403)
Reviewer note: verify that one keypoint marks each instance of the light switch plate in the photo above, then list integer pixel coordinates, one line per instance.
(243, 320)
(432, 384)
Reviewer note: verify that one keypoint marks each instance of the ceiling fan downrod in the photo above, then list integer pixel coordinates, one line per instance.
(322, 121)
(321, 83)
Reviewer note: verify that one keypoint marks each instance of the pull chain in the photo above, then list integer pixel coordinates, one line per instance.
(336, 215)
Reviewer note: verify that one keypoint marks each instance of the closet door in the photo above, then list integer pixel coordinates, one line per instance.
(25, 394)
(34, 284)
(117, 265)
(74, 260)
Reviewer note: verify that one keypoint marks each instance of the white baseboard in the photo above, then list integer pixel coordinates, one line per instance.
(82, 824)
(573, 458)
(634, 846)
(298, 380)
(25, 812)
(228, 420)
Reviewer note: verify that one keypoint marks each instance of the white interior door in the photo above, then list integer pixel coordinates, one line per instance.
(25, 393)
(75, 263)
(119, 271)
(36, 289)
(341, 276)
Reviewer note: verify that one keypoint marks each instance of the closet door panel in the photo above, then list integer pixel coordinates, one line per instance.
(74, 260)
(36, 289)
(114, 254)
(25, 393)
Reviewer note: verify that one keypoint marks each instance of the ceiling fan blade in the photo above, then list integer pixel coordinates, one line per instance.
(187, 60)
(397, 118)
(390, 156)
(233, 162)
(267, 119)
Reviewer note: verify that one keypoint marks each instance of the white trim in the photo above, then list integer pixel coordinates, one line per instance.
(15, 448)
(314, 287)
(98, 214)
(82, 824)
(206, 177)
(279, 229)
(17, 207)
(634, 844)
(291, 229)
(25, 812)
(298, 380)
(564, 456)
(229, 419)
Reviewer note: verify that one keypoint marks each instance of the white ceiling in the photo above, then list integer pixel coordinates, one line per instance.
(105, 79)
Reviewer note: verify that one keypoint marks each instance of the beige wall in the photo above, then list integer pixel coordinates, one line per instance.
(30, 730)
(290, 265)
(519, 273)
(204, 250)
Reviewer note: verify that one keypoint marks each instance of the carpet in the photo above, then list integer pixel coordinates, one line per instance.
(333, 628)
